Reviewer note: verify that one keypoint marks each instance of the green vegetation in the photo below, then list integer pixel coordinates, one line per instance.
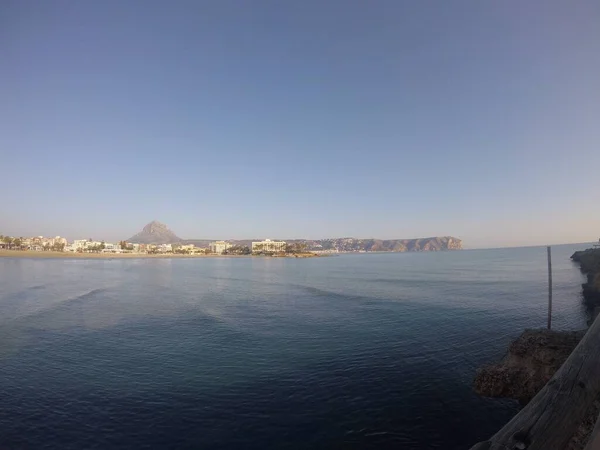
(182, 251)
(124, 245)
(96, 248)
(295, 248)
(7, 241)
(20, 243)
(238, 250)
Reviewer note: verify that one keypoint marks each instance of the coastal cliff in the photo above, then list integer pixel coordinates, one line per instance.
(429, 244)
(536, 356)
(589, 263)
(158, 233)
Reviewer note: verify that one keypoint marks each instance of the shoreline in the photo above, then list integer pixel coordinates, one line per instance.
(73, 255)
(536, 360)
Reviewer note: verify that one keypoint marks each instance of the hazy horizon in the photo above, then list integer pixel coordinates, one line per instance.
(236, 120)
(466, 245)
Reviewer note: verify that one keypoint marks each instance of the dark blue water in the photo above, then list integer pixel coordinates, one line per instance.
(357, 351)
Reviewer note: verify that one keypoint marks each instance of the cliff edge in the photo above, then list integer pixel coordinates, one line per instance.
(589, 263)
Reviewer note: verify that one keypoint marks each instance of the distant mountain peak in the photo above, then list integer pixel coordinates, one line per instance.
(155, 233)
(155, 227)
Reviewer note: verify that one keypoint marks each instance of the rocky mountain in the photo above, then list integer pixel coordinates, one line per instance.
(154, 233)
(158, 233)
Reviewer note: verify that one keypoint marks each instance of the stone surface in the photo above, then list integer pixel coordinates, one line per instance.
(582, 435)
(531, 361)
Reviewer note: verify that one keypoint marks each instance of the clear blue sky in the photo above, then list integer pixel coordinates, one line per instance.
(281, 119)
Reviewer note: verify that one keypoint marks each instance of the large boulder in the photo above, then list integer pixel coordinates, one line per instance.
(531, 361)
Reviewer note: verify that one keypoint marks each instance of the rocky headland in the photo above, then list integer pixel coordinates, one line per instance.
(589, 263)
(535, 356)
(158, 233)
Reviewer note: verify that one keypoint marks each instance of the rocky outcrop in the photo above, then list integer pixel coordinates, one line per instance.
(158, 233)
(589, 263)
(155, 233)
(531, 361)
(535, 356)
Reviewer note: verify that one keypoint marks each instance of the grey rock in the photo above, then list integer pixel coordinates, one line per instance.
(531, 361)
(155, 233)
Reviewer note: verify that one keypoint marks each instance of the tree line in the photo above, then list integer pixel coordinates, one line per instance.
(17, 243)
(293, 249)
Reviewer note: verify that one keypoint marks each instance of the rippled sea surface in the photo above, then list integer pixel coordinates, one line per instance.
(356, 351)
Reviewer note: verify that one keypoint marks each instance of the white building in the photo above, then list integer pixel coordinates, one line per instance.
(84, 244)
(164, 248)
(219, 247)
(54, 241)
(268, 246)
(79, 243)
(111, 248)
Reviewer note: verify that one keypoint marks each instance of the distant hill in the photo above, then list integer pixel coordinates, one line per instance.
(155, 233)
(430, 244)
(158, 233)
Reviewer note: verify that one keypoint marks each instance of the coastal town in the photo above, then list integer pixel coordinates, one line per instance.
(61, 244)
(157, 239)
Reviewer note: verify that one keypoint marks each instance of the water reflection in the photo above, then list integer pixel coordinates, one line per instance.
(250, 294)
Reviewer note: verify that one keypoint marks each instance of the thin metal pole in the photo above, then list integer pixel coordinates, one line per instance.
(549, 288)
